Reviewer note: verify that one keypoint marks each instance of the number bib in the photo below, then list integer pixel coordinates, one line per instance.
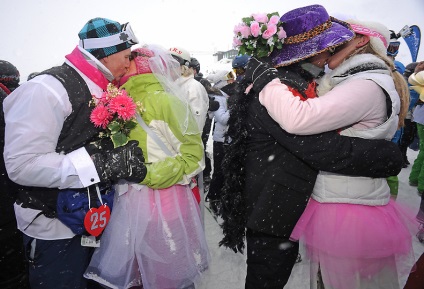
(96, 219)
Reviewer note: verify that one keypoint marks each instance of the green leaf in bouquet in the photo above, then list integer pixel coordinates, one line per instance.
(114, 127)
(278, 44)
(247, 20)
(262, 52)
(242, 50)
(130, 125)
(119, 139)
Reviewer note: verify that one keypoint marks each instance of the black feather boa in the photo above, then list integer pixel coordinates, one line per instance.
(233, 202)
(233, 199)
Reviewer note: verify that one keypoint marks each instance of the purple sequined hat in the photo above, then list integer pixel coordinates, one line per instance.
(310, 30)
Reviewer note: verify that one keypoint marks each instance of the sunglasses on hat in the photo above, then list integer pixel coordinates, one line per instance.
(126, 35)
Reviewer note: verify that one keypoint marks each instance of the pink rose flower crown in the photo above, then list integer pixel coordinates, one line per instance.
(259, 34)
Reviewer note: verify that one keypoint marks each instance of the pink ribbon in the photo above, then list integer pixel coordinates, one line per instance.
(367, 31)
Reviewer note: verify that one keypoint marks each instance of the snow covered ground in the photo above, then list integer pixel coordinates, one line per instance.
(228, 269)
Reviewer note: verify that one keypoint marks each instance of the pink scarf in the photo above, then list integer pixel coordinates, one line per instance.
(77, 59)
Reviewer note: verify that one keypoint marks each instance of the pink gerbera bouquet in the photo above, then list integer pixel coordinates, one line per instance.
(115, 112)
(259, 34)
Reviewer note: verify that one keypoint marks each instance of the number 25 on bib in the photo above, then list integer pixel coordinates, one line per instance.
(96, 219)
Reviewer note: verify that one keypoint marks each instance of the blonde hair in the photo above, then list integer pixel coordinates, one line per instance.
(186, 71)
(403, 91)
(376, 47)
(401, 85)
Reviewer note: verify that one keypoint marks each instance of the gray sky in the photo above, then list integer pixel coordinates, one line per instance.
(37, 34)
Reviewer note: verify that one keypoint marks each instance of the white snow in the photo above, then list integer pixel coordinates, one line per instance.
(228, 269)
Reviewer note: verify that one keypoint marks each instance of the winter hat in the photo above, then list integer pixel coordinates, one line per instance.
(103, 37)
(9, 76)
(221, 77)
(409, 69)
(378, 33)
(195, 64)
(240, 61)
(181, 55)
(141, 58)
(310, 31)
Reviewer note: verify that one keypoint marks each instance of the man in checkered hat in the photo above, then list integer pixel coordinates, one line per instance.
(47, 149)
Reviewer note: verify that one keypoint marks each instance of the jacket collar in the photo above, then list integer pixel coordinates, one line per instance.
(92, 68)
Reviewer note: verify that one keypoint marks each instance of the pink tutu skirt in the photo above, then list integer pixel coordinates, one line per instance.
(358, 246)
(154, 238)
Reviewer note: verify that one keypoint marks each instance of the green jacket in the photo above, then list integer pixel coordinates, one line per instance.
(161, 114)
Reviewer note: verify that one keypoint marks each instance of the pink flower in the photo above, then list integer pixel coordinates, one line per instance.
(274, 20)
(254, 28)
(281, 33)
(245, 31)
(260, 17)
(269, 32)
(100, 116)
(124, 106)
(237, 28)
(114, 112)
(236, 42)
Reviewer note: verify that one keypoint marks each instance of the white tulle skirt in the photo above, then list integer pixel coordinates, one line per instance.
(154, 238)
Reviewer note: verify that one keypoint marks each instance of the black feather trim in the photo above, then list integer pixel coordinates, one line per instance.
(233, 199)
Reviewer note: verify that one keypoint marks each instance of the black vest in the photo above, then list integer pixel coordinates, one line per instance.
(77, 131)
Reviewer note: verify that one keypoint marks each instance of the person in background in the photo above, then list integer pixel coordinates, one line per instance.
(155, 236)
(416, 176)
(196, 93)
(230, 86)
(48, 138)
(363, 96)
(195, 66)
(239, 65)
(213, 106)
(392, 52)
(198, 101)
(12, 259)
(220, 119)
(223, 79)
(409, 131)
(270, 173)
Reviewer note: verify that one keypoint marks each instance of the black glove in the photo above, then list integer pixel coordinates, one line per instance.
(259, 73)
(213, 104)
(124, 162)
